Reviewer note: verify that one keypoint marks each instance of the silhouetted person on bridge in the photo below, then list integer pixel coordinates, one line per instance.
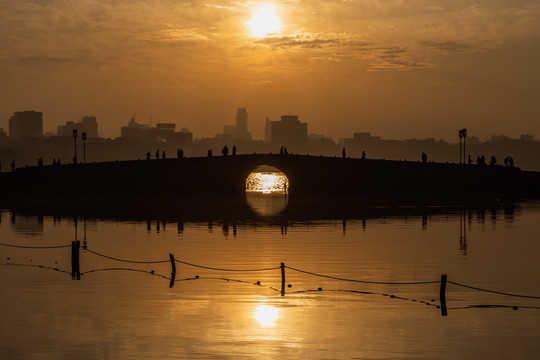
(58, 162)
(511, 161)
(209, 153)
(225, 151)
(285, 152)
(180, 153)
(363, 155)
(148, 155)
(493, 160)
(343, 153)
(505, 161)
(424, 157)
(163, 154)
(281, 151)
(0, 166)
(469, 159)
(234, 150)
(157, 154)
(13, 165)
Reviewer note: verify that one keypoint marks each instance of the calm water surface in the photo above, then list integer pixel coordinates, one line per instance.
(127, 310)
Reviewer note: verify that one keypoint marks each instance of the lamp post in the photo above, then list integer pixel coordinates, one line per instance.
(84, 146)
(460, 132)
(75, 145)
(464, 133)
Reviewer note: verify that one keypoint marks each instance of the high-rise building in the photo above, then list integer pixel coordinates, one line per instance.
(240, 130)
(26, 123)
(289, 132)
(241, 120)
(268, 130)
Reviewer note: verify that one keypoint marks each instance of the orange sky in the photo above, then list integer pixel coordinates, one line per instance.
(397, 68)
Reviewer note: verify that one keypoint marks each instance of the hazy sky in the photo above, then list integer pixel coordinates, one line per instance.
(396, 68)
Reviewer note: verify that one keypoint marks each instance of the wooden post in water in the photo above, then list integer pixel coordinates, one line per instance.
(173, 273)
(282, 279)
(173, 264)
(443, 295)
(75, 272)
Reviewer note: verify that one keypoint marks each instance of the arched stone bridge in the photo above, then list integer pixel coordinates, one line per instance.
(225, 176)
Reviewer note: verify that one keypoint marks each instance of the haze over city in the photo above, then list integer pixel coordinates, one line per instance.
(394, 68)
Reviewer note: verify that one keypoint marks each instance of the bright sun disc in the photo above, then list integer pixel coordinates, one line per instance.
(264, 22)
(266, 315)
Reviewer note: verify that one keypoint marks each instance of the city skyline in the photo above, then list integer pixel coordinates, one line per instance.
(397, 69)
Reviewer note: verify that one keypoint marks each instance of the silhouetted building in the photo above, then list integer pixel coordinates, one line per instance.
(134, 130)
(162, 131)
(26, 123)
(183, 138)
(88, 124)
(268, 131)
(240, 130)
(289, 132)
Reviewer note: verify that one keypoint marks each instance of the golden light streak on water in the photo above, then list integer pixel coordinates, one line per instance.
(267, 182)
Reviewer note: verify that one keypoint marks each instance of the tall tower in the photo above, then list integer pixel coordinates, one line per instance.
(241, 121)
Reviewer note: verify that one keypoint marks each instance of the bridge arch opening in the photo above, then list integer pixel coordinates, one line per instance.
(267, 190)
(267, 180)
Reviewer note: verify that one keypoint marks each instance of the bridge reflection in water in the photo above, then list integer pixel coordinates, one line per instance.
(266, 191)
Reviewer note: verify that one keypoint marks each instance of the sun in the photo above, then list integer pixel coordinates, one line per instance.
(264, 22)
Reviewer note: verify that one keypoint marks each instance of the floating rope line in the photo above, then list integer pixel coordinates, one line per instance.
(126, 269)
(494, 292)
(38, 266)
(128, 261)
(429, 303)
(363, 281)
(514, 307)
(218, 269)
(36, 247)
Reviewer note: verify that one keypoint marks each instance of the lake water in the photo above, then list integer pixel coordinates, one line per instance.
(128, 310)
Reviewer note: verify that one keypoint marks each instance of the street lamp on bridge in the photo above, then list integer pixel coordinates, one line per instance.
(462, 134)
(75, 146)
(84, 146)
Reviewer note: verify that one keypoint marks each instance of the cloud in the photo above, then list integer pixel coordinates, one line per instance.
(174, 34)
(448, 45)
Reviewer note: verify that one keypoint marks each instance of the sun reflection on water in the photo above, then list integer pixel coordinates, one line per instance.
(266, 315)
(267, 182)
